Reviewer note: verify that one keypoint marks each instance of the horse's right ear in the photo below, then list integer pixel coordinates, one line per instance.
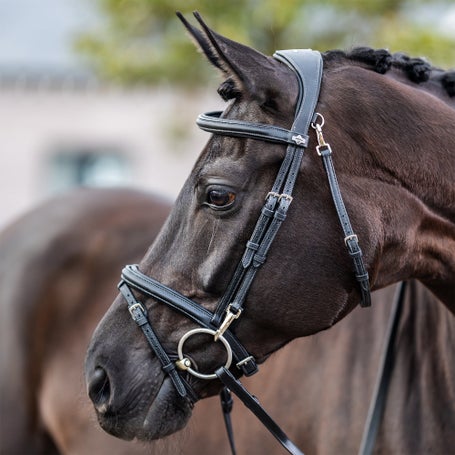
(239, 63)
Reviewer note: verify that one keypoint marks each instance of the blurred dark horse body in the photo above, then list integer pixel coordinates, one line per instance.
(58, 271)
(394, 146)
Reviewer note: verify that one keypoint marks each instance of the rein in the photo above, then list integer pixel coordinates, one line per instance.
(307, 65)
(386, 364)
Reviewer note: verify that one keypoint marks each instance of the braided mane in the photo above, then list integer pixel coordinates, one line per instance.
(417, 70)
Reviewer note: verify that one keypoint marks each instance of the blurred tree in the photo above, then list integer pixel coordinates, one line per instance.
(142, 41)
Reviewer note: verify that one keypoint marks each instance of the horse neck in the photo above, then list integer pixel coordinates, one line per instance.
(405, 134)
(433, 85)
(402, 155)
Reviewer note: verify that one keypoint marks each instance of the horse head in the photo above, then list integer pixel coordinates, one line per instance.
(389, 139)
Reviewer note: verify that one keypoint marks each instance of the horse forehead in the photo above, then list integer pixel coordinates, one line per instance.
(231, 161)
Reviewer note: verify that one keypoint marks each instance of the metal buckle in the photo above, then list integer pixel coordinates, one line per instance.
(134, 307)
(244, 361)
(286, 196)
(351, 237)
(273, 194)
(324, 146)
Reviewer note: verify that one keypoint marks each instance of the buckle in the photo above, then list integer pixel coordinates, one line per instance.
(323, 148)
(288, 197)
(272, 194)
(351, 237)
(244, 361)
(133, 308)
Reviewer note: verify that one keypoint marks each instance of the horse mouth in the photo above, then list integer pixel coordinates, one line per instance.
(165, 414)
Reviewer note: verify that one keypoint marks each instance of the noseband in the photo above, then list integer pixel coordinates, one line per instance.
(307, 65)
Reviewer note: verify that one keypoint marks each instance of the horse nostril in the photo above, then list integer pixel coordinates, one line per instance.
(99, 388)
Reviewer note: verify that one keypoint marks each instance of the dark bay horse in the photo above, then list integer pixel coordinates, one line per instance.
(394, 148)
(59, 270)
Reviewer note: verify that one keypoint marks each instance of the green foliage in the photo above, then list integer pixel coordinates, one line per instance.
(142, 41)
(417, 41)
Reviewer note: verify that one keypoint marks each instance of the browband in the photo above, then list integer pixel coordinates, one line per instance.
(213, 123)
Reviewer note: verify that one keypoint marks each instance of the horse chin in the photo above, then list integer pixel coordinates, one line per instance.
(166, 414)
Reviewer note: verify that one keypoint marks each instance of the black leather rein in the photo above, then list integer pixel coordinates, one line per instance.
(307, 65)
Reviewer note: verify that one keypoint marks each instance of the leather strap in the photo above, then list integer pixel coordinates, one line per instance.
(226, 405)
(350, 238)
(252, 246)
(140, 317)
(386, 364)
(213, 123)
(254, 406)
(307, 65)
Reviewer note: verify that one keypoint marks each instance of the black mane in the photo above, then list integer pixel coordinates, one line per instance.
(448, 82)
(417, 70)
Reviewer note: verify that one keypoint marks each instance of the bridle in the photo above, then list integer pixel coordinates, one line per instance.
(307, 65)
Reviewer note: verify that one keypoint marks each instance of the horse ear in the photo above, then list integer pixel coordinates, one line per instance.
(202, 41)
(239, 63)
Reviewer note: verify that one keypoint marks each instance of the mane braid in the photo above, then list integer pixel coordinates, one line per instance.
(379, 59)
(448, 82)
(417, 70)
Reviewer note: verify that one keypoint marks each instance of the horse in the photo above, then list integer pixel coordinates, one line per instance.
(59, 268)
(56, 282)
(393, 148)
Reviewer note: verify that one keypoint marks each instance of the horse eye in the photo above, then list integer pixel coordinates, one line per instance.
(220, 198)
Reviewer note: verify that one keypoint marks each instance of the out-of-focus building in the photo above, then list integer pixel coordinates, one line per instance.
(61, 127)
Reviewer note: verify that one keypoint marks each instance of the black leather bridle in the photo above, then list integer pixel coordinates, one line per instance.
(307, 65)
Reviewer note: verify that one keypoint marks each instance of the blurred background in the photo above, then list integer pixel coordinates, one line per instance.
(106, 92)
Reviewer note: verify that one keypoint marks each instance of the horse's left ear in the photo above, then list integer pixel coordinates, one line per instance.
(248, 68)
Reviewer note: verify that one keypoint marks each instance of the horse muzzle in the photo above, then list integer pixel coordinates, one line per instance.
(135, 403)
